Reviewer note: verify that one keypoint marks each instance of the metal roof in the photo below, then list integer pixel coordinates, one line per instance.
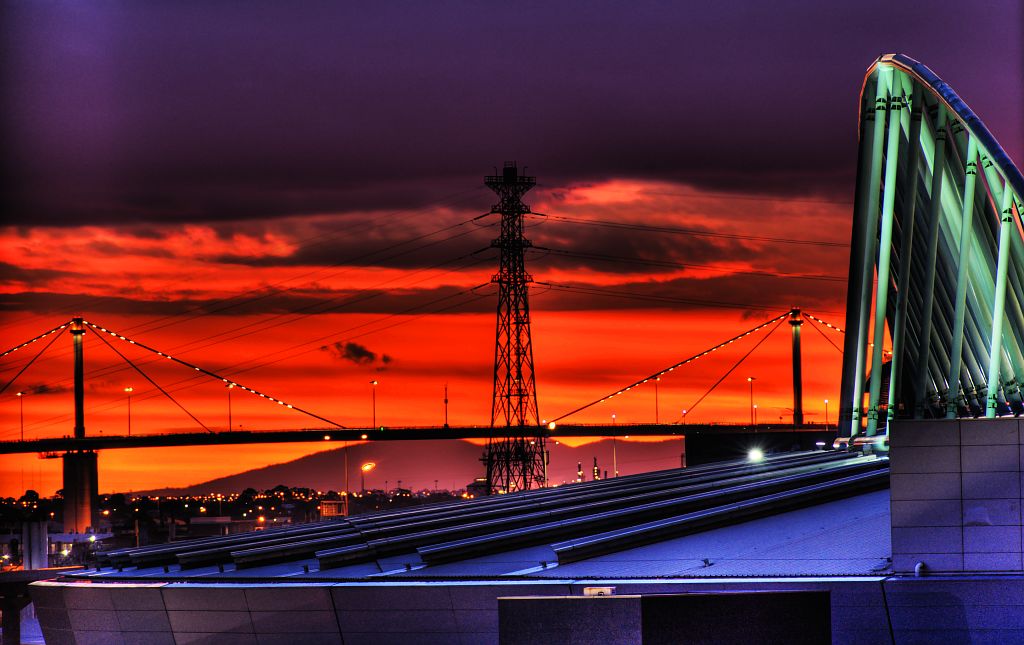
(775, 517)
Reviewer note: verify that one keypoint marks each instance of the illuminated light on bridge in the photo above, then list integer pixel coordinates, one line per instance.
(945, 297)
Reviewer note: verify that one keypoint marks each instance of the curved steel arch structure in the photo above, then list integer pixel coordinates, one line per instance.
(936, 259)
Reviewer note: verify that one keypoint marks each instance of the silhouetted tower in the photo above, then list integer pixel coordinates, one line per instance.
(513, 462)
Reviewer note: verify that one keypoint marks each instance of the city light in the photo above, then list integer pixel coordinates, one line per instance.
(755, 455)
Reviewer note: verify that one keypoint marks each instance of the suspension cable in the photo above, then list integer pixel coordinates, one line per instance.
(154, 383)
(674, 366)
(733, 368)
(814, 326)
(201, 370)
(39, 337)
(40, 353)
(827, 324)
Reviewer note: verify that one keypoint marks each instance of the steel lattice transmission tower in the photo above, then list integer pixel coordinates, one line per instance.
(513, 462)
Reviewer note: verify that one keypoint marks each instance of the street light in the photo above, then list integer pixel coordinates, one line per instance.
(365, 468)
(615, 458)
(684, 416)
(755, 414)
(656, 381)
(374, 396)
(129, 391)
(230, 387)
(826, 414)
(751, 379)
(21, 413)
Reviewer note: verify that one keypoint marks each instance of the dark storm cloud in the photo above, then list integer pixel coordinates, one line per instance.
(10, 273)
(733, 291)
(356, 353)
(129, 112)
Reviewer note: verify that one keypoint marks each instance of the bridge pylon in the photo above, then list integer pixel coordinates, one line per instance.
(513, 462)
(81, 474)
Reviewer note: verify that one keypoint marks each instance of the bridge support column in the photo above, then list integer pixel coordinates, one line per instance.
(796, 320)
(80, 491)
(884, 256)
(895, 398)
(966, 230)
(862, 253)
(934, 211)
(996, 348)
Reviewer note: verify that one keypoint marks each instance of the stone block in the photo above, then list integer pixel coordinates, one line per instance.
(925, 459)
(58, 636)
(137, 597)
(991, 485)
(924, 486)
(149, 620)
(53, 617)
(289, 598)
(992, 561)
(938, 539)
(989, 432)
(93, 620)
(148, 638)
(87, 597)
(299, 622)
(99, 638)
(305, 639)
(985, 459)
(374, 638)
(377, 597)
(191, 597)
(47, 594)
(992, 539)
(937, 432)
(219, 622)
(933, 512)
(397, 621)
(186, 638)
(990, 512)
(477, 620)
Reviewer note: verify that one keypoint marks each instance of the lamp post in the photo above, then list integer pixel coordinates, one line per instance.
(684, 416)
(373, 396)
(365, 468)
(751, 379)
(826, 414)
(755, 414)
(129, 391)
(615, 458)
(21, 413)
(656, 381)
(230, 387)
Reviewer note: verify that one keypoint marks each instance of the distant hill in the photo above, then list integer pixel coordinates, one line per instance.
(418, 463)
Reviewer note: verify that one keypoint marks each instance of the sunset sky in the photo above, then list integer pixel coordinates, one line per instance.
(289, 195)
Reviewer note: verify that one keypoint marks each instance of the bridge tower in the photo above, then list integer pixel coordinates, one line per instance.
(80, 471)
(513, 462)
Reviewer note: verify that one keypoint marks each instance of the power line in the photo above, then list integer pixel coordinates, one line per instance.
(601, 291)
(681, 265)
(690, 231)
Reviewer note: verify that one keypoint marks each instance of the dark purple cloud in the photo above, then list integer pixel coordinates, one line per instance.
(171, 112)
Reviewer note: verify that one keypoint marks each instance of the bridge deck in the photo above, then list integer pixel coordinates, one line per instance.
(337, 435)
